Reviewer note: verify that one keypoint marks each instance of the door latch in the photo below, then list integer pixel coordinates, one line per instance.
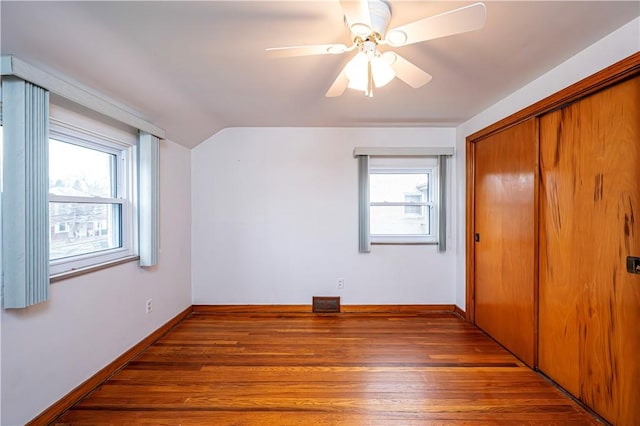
(633, 265)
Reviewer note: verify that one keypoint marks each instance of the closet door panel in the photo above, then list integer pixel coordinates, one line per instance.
(504, 220)
(589, 334)
(558, 349)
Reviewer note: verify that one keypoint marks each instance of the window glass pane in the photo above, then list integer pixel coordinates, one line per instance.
(393, 220)
(393, 187)
(81, 228)
(82, 172)
(413, 210)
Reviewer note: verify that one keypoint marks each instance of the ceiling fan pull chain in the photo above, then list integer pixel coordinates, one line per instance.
(369, 92)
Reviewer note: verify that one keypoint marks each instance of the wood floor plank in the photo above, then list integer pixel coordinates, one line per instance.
(208, 418)
(306, 369)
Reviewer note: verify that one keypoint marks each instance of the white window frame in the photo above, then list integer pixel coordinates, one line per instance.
(125, 194)
(431, 203)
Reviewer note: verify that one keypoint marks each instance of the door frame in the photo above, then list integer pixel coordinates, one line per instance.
(626, 68)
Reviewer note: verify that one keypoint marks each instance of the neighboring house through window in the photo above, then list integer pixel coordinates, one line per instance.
(413, 204)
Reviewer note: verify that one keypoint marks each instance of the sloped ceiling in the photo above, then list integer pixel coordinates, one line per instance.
(194, 68)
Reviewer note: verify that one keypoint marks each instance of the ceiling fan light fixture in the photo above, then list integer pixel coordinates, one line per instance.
(382, 71)
(363, 70)
(360, 29)
(396, 37)
(389, 57)
(357, 72)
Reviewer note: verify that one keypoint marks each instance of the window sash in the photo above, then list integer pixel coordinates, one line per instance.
(426, 238)
(66, 133)
(80, 261)
(83, 230)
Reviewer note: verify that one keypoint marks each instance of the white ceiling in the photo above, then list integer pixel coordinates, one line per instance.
(194, 68)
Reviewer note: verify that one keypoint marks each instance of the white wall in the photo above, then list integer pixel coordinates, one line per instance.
(616, 46)
(50, 348)
(275, 221)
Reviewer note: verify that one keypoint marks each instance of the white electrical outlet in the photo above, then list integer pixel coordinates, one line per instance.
(340, 282)
(149, 306)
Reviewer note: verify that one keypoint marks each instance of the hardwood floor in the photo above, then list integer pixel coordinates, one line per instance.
(309, 369)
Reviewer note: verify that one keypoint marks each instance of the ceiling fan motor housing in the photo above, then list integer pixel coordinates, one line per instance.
(380, 11)
(377, 21)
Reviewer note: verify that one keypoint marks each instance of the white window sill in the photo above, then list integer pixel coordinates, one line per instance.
(404, 243)
(402, 239)
(88, 269)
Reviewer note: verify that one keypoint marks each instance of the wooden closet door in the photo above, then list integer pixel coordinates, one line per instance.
(589, 318)
(505, 187)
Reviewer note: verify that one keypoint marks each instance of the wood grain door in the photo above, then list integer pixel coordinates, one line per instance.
(505, 250)
(589, 318)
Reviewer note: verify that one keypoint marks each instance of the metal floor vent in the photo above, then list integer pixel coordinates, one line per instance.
(326, 304)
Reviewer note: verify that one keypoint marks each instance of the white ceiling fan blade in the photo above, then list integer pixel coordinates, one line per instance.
(339, 85)
(318, 49)
(358, 16)
(464, 19)
(406, 71)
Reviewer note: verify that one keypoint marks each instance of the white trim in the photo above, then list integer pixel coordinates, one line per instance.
(402, 152)
(74, 91)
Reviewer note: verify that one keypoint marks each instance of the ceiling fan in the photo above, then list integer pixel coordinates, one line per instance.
(367, 21)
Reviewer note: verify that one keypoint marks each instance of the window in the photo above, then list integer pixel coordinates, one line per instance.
(402, 195)
(93, 218)
(90, 199)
